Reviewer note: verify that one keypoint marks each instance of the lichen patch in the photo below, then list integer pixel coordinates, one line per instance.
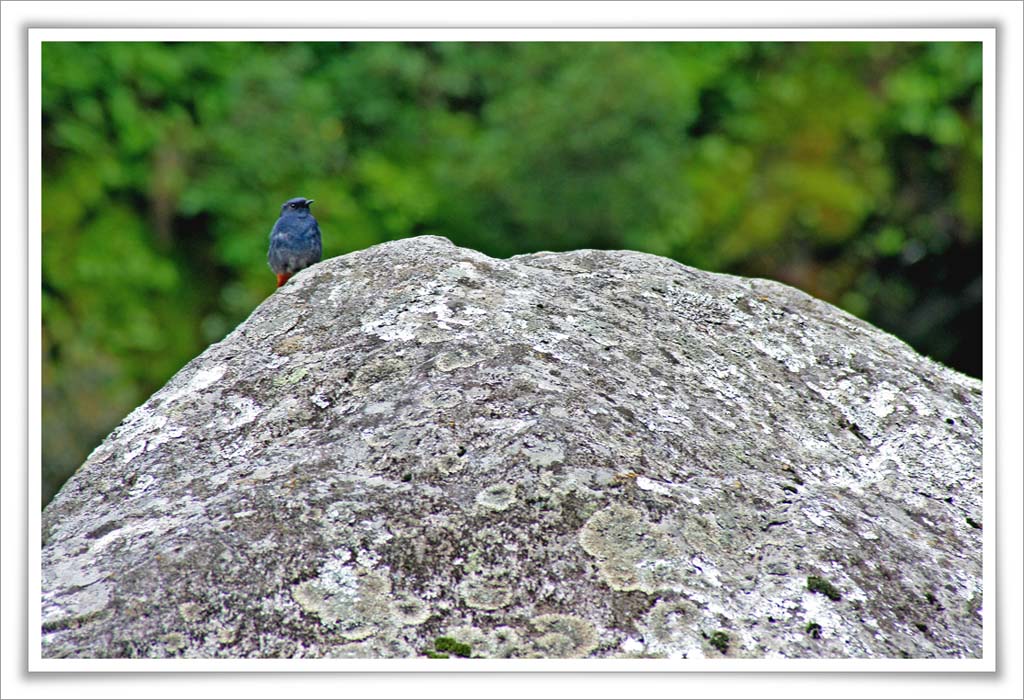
(497, 497)
(485, 592)
(632, 554)
(564, 636)
(349, 599)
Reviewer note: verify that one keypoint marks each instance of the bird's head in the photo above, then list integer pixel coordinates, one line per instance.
(297, 205)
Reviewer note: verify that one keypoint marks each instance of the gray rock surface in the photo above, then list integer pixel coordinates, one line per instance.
(585, 454)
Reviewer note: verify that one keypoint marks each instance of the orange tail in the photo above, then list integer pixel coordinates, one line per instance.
(281, 279)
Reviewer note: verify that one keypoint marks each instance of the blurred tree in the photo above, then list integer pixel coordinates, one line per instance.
(851, 170)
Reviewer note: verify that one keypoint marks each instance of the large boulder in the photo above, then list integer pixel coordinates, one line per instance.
(419, 450)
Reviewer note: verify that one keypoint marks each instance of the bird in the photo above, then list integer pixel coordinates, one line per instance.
(294, 240)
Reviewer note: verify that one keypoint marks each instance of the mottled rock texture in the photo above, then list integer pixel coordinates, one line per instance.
(415, 448)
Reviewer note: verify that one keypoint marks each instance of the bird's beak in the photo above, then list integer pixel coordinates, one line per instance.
(310, 201)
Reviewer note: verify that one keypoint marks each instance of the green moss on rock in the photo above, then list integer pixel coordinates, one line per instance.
(448, 644)
(817, 584)
(719, 640)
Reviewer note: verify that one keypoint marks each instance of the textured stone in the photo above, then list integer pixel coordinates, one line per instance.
(585, 454)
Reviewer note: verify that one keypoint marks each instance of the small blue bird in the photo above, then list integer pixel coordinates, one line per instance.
(294, 240)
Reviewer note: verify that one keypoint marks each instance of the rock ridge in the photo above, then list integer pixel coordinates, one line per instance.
(417, 450)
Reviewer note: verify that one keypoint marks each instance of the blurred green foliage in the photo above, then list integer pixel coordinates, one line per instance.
(851, 170)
